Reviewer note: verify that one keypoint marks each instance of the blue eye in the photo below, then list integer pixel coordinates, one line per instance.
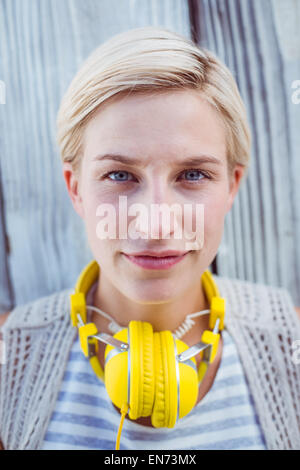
(195, 174)
(122, 176)
(121, 173)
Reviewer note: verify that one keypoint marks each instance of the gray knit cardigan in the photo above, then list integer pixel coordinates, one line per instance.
(261, 319)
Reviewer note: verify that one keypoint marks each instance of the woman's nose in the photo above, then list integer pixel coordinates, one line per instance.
(157, 222)
(158, 214)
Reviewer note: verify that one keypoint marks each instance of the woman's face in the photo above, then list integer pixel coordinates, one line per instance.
(159, 132)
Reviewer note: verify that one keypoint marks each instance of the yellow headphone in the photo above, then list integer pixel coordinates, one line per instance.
(148, 373)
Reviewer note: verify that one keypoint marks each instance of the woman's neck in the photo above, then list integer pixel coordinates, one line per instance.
(163, 316)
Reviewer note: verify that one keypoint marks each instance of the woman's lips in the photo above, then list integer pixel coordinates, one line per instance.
(151, 262)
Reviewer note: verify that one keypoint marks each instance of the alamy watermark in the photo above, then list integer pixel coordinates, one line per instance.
(2, 92)
(296, 93)
(146, 223)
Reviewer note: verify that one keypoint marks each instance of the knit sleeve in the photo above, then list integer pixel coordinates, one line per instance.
(288, 334)
(40, 312)
(265, 327)
(38, 337)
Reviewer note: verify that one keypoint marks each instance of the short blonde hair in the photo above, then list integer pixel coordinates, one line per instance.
(149, 60)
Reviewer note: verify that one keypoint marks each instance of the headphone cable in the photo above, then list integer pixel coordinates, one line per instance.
(124, 409)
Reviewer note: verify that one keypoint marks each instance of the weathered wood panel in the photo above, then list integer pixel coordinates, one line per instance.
(42, 44)
(6, 295)
(259, 40)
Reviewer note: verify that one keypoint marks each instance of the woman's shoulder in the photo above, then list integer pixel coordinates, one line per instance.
(252, 298)
(3, 318)
(38, 312)
(223, 281)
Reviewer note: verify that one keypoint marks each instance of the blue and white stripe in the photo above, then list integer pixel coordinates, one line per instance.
(85, 418)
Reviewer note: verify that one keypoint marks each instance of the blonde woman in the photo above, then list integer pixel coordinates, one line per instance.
(152, 119)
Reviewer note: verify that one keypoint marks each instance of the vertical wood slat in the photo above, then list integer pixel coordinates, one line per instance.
(6, 293)
(261, 234)
(42, 44)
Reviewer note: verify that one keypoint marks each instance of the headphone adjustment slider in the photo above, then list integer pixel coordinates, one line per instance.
(87, 341)
(192, 351)
(108, 339)
(217, 311)
(212, 340)
(78, 306)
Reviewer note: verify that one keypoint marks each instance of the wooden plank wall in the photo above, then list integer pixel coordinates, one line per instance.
(259, 40)
(42, 44)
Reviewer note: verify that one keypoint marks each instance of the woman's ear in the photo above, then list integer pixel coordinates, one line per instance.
(234, 184)
(73, 187)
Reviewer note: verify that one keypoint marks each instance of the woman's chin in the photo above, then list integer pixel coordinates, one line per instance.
(154, 292)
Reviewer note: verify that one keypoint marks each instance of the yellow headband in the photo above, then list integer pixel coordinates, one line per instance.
(157, 375)
(88, 332)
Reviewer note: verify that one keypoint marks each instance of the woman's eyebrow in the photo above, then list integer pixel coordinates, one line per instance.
(139, 162)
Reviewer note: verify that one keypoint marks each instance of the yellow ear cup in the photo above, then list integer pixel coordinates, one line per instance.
(141, 369)
(160, 386)
(166, 393)
(116, 371)
(172, 377)
(188, 384)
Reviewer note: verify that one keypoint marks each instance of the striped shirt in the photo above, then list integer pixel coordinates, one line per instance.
(85, 418)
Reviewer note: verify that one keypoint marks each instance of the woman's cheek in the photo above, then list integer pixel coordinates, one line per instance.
(214, 214)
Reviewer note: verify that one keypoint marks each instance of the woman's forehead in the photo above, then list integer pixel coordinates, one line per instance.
(177, 125)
